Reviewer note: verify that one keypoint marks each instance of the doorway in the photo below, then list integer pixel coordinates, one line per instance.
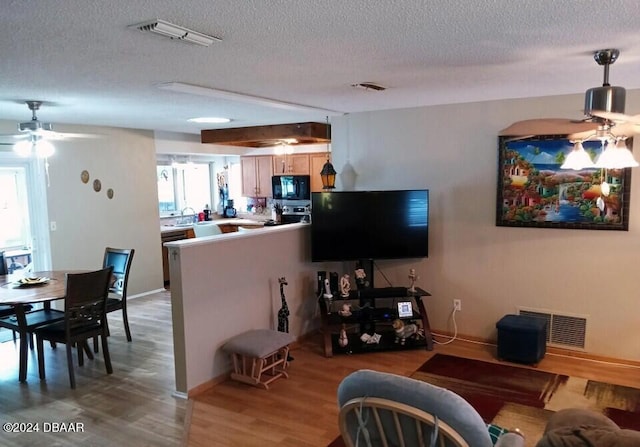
(24, 228)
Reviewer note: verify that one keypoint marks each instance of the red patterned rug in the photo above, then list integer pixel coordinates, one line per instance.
(513, 396)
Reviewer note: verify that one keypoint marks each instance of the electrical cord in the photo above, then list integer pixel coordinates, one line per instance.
(455, 331)
(382, 273)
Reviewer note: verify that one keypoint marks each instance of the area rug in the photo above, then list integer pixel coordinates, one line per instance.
(512, 396)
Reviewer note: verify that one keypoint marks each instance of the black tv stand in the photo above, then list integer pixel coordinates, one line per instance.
(373, 312)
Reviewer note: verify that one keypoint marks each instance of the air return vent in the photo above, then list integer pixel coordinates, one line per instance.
(563, 330)
(175, 32)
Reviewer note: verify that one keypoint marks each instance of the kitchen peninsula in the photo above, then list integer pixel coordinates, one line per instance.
(226, 284)
(171, 232)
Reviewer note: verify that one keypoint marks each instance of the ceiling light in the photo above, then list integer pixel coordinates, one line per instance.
(240, 97)
(616, 155)
(34, 146)
(209, 120)
(577, 159)
(175, 32)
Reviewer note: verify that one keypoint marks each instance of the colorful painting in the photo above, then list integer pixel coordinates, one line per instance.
(534, 192)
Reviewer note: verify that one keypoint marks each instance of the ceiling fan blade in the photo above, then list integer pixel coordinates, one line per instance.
(627, 129)
(616, 117)
(547, 126)
(581, 136)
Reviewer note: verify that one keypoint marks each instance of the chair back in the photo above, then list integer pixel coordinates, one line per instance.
(381, 409)
(3, 265)
(120, 259)
(206, 229)
(85, 299)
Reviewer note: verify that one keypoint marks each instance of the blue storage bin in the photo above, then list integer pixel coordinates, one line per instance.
(522, 338)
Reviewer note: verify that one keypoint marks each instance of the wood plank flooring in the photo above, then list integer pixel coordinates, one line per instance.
(134, 406)
(131, 407)
(301, 411)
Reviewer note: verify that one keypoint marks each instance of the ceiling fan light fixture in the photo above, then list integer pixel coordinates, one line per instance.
(577, 159)
(43, 149)
(616, 155)
(23, 148)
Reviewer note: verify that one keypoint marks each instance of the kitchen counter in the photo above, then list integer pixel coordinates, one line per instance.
(238, 222)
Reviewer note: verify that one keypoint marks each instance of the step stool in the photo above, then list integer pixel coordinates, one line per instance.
(259, 356)
(522, 338)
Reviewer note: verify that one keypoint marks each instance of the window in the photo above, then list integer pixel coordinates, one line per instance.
(14, 209)
(183, 185)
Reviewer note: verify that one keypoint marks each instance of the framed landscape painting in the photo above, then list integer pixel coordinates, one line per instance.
(534, 192)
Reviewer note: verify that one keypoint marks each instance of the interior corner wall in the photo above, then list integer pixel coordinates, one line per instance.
(88, 221)
(453, 151)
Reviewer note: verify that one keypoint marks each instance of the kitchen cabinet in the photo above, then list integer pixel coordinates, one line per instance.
(294, 164)
(316, 162)
(169, 236)
(256, 175)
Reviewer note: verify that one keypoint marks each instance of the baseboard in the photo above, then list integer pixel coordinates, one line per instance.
(206, 386)
(551, 350)
(150, 292)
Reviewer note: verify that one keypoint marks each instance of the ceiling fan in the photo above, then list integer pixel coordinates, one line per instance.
(35, 135)
(604, 121)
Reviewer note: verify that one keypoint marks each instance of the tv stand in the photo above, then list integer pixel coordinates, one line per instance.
(373, 311)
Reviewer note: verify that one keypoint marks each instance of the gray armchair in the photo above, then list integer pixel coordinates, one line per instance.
(381, 409)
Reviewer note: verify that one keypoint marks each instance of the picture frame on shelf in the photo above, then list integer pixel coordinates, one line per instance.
(533, 191)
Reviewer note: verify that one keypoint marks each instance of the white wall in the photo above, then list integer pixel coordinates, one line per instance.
(453, 151)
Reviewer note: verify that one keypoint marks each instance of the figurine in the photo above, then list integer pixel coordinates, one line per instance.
(361, 278)
(345, 311)
(328, 296)
(412, 277)
(283, 313)
(343, 341)
(404, 331)
(345, 286)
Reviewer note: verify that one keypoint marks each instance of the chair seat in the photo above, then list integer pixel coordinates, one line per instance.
(34, 319)
(114, 304)
(57, 331)
(7, 311)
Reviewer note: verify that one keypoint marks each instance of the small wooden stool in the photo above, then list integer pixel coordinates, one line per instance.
(259, 356)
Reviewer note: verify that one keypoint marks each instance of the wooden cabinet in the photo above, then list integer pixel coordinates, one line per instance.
(294, 164)
(316, 162)
(256, 175)
(169, 236)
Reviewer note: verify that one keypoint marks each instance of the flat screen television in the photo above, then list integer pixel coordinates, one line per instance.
(356, 225)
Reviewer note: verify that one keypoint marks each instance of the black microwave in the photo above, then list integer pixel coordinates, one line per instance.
(291, 187)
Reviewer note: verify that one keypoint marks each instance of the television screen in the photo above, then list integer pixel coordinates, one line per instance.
(369, 225)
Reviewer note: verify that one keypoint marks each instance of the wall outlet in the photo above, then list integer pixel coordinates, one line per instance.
(457, 305)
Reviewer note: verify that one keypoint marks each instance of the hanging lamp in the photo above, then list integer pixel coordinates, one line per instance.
(328, 173)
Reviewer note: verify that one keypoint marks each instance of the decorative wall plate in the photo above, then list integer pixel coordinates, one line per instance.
(110, 193)
(84, 176)
(97, 185)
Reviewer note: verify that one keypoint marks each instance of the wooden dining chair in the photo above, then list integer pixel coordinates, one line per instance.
(120, 259)
(84, 318)
(8, 312)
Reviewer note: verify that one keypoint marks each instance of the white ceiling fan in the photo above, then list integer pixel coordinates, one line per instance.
(35, 135)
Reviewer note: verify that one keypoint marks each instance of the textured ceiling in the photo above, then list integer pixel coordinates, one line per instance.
(82, 60)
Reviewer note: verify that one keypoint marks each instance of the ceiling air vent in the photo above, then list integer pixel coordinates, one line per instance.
(369, 86)
(175, 32)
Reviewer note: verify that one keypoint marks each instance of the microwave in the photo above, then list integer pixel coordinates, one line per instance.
(291, 187)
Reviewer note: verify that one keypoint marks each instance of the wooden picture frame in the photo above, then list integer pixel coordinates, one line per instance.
(534, 192)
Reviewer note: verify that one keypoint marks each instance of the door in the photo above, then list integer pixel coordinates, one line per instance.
(23, 209)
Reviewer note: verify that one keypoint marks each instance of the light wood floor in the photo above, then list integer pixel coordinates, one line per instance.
(134, 406)
(302, 411)
(131, 407)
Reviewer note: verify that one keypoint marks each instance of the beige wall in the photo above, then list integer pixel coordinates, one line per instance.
(88, 221)
(452, 151)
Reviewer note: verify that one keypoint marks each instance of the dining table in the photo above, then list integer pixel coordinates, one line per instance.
(50, 287)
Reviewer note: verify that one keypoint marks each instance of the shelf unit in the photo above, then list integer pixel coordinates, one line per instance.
(374, 312)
